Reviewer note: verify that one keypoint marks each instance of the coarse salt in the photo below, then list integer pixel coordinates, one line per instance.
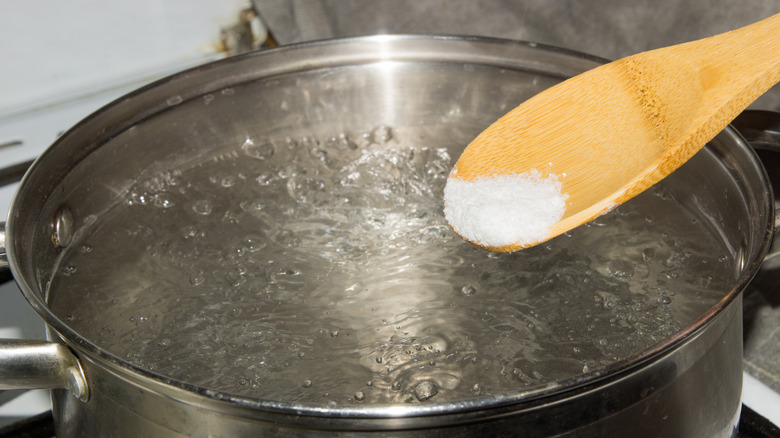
(504, 209)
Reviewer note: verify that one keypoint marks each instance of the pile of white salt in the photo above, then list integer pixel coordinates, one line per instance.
(504, 209)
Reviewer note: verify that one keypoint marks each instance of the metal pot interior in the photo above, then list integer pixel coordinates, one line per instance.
(326, 101)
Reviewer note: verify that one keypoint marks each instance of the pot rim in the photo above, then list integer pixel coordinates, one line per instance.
(193, 394)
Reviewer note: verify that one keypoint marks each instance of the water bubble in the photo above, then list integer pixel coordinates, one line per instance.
(174, 100)
(85, 248)
(197, 279)
(304, 189)
(382, 134)
(68, 270)
(235, 279)
(164, 342)
(319, 153)
(230, 217)
(228, 181)
(287, 238)
(468, 290)
(620, 268)
(202, 207)
(189, 231)
(254, 243)
(425, 390)
(345, 141)
(140, 198)
(253, 205)
(260, 151)
(308, 142)
(306, 383)
(161, 201)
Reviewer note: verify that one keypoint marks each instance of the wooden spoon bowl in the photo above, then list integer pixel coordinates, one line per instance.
(614, 131)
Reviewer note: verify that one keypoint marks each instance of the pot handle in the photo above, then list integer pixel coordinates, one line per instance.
(762, 130)
(3, 258)
(31, 364)
(34, 364)
(10, 175)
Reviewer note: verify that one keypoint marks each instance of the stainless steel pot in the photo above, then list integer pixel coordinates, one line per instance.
(439, 88)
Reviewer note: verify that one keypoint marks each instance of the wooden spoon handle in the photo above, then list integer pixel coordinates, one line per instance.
(725, 74)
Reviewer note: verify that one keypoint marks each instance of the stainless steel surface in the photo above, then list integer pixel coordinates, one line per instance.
(688, 385)
(694, 390)
(762, 130)
(40, 365)
(762, 301)
(62, 227)
(599, 27)
(3, 257)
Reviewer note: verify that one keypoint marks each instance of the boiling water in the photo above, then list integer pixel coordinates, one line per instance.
(323, 271)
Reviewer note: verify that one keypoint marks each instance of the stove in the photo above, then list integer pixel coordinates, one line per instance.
(37, 105)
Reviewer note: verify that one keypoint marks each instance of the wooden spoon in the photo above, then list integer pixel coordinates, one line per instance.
(614, 131)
